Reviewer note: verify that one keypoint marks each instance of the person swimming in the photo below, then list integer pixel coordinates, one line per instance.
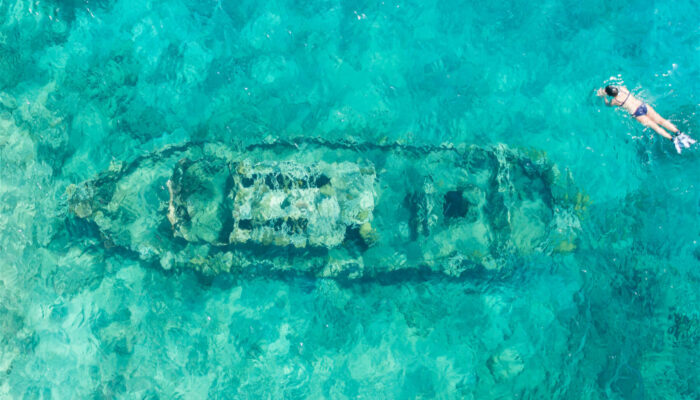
(646, 115)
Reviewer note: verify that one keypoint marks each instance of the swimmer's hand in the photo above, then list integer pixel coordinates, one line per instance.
(600, 92)
(681, 139)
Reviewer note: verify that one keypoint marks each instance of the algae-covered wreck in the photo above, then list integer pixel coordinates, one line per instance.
(332, 209)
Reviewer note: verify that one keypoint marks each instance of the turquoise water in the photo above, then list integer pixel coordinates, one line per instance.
(85, 83)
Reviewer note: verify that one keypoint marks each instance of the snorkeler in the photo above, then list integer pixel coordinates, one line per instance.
(646, 115)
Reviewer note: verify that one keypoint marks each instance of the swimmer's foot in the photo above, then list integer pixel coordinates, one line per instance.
(682, 140)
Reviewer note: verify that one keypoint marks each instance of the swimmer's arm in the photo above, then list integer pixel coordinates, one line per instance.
(601, 93)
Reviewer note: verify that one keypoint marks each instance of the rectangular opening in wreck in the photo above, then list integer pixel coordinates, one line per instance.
(455, 205)
(291, 225)
(281, 181)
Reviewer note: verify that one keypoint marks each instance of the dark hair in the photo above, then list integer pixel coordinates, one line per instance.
(611, 91)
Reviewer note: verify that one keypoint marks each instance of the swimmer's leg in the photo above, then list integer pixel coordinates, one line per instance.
(660, 120)
(648, 122)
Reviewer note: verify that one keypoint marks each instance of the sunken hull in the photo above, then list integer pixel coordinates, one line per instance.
(333, 209)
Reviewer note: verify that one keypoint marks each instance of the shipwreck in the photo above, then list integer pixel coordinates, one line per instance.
(338, 209)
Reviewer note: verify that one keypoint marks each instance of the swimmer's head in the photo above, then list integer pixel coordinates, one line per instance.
(611, 91)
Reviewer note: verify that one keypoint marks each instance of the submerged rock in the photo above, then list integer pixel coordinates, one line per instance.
(506, 365)
(332, 209)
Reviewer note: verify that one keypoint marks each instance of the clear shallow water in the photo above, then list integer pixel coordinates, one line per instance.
(84, 83)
